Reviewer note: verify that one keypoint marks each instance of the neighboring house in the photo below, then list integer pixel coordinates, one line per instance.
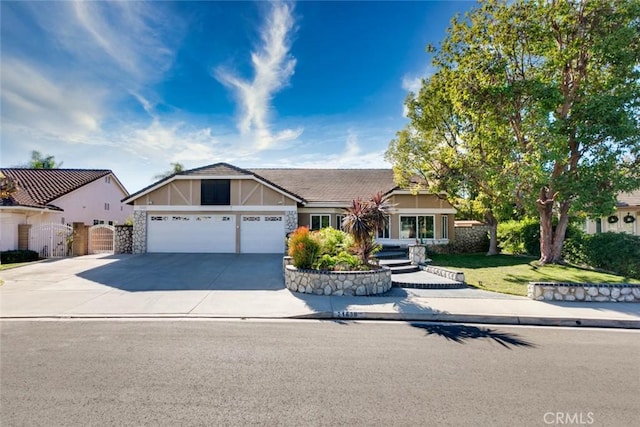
(222, 208)
(62, 196)
(623, 220)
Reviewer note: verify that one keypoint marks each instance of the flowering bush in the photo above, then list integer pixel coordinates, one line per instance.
(303, 248)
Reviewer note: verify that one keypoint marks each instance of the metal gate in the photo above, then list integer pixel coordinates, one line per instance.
(51, 240)
(101, 239)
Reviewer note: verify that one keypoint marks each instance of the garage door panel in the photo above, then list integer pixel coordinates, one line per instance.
(191, 233)
(262, 234)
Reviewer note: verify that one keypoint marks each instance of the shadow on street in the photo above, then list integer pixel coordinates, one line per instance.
(463, 333)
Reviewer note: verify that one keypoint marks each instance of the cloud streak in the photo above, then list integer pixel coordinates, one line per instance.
(273, 67)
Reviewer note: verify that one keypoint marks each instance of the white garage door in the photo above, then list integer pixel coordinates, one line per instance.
(262, 234)
(191, 233)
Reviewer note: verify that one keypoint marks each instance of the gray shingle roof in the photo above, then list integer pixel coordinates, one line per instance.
(37, 188)
(629, 199)
(331, 185)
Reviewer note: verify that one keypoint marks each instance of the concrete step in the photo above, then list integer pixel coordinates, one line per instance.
(424, 280)
(391, 254)
(404, 269)
(395, 262)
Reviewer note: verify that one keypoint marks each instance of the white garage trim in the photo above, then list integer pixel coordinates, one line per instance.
(262, 234)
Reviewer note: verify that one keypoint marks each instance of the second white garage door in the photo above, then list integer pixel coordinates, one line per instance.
(191, 233)
(262, 234)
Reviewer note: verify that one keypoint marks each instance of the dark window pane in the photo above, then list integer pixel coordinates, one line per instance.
(215, 192)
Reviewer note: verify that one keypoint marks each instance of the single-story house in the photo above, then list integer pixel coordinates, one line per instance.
(61, 196)
(223, 208)
(623, 220)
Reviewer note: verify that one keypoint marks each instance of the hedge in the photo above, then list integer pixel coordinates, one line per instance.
(616, 252)
(11, 257)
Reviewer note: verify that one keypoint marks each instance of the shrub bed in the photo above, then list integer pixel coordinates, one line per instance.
(12, 257)
(617, 252)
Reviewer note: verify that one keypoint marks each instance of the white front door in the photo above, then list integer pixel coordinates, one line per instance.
(262, 234)
(205, 233)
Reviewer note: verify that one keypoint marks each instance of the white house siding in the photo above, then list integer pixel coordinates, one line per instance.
(87, 203)
(9, 221)
(617, 227)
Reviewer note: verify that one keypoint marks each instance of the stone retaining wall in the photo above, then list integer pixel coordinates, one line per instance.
(471, 239)
(123, 239)
(584, 292)
(458, 276)
(358, 283)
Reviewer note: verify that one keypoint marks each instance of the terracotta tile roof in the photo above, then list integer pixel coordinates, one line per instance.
(38, 188)
(629, 199)
(331, 185)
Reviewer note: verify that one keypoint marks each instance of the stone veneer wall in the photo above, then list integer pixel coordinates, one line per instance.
(291, 221)
(584, 292)
(417, 254)
(139, 245)
(123, 239)
(458, 276)
(358, 283)
(471, 239)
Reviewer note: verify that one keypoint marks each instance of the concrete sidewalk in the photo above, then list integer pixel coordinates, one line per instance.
(123, 287)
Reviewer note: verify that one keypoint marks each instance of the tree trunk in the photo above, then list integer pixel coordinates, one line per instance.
(493, 233)
(560, 233)
(545, 211)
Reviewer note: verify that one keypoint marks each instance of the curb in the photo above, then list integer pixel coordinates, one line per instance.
(480, 319)
(354, 315)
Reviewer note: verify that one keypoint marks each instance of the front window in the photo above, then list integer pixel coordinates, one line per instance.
(417, 227)
(320, 221)
(445, 226)
(383, 233)
(339, 219)
(215, 192)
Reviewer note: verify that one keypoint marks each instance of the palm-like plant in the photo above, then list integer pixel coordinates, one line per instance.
(362, 219)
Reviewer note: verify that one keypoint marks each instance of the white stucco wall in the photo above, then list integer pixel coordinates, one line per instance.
(9, 225)
(617, 227)
(87, 203)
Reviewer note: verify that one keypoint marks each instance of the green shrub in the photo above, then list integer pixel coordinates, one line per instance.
(11, 257)
(616, 252)
(523, 237)
(520, 237)
(332, 241)
(303, 248)
(344, 261)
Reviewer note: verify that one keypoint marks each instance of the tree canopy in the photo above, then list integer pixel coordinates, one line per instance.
(40, 161)
(550, 91)
(175, 168)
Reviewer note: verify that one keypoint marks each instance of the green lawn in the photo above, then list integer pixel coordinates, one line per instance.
(16, 264)
(510, 274)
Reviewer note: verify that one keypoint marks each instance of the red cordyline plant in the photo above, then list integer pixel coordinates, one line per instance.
(362, 219)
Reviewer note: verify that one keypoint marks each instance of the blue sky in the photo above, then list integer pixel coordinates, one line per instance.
(133, 86)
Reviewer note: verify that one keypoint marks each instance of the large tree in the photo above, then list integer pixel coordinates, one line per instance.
(40, 161)
(175, 168)
(465, 156)
(565, 76)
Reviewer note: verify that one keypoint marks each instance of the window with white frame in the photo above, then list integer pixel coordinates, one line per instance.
(445, 227)
(339, 219)
(383, 233)
(320, 221)
(417, 227)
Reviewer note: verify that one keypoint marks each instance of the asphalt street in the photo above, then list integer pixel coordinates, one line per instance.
(298, 373)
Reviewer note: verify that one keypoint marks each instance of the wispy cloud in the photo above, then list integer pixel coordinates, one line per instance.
(273, 67)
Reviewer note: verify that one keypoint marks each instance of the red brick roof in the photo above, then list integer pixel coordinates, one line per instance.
(38, 188)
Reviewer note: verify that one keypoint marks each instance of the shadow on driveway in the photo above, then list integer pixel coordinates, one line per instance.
(184, 272)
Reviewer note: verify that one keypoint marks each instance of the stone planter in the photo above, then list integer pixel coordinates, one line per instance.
(359, 283)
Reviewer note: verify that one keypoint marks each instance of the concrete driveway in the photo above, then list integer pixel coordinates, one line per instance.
(139, 285)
